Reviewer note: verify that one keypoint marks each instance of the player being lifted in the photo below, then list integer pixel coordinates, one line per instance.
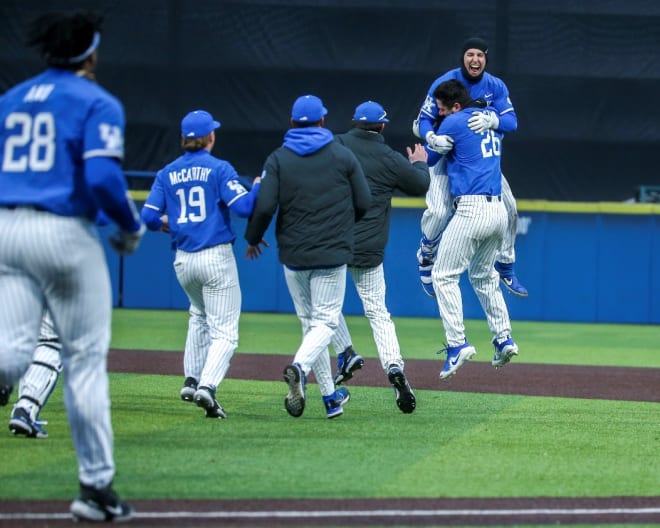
(500, 115)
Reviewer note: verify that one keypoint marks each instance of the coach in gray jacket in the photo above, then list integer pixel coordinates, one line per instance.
(387, 171)
(318, 189)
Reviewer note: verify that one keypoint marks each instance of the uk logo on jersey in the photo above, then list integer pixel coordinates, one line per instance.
(112, 136)
(236, 186)
(429, 105)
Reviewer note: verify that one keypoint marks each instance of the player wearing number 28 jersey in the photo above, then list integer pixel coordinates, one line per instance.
(61, 146)
(191, 198)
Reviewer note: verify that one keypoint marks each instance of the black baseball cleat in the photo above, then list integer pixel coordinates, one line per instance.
(348, 362)
(205, 397)
(405, 397)
(188, 390)
(100, 505)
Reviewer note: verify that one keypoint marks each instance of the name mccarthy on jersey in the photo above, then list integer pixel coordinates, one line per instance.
(190, 174)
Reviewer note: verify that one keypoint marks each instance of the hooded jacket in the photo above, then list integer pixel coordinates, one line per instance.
(318, 190)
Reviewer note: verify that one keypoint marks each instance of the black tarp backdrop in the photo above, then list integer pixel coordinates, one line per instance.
(583, 76)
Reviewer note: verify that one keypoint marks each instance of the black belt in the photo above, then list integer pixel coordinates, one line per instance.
(487, 198)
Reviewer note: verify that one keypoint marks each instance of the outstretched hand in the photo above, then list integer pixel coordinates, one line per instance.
(253, 252)
(417, 153)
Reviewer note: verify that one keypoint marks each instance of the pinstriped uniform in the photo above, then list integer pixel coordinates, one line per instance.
(474, 234)
(210, 279)
(471, 242)
(318, 296)
(439, 210)
(40, 378)
(197, 192)
(370, 286)
(74, 283)
(198, 342)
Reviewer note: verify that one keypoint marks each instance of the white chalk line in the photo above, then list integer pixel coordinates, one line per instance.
(329, 514)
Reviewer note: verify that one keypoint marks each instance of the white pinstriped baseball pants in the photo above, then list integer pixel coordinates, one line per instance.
(370, 286)
(439, 210)
(56, 262)
(318, 296)
(470, 242)
(210, 279)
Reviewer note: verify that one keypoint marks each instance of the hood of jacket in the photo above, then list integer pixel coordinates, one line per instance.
(306, 141)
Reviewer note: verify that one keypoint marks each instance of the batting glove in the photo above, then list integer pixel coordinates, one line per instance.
(126, 242)
(482, 121)
(440, 144)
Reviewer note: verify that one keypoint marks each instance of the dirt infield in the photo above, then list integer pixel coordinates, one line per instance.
(565, 381)
(610, 383)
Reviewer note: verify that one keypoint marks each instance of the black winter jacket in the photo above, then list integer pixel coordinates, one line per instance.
(387, 171)
(318, 195)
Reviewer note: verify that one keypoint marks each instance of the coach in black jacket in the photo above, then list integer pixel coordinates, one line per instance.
(387, 171)
(319, 190)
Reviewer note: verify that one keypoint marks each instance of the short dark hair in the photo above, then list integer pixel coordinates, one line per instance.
(452, 91)
(305, 124)
(62, 38)
(372, 127)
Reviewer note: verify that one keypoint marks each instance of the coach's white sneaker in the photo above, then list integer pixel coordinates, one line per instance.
(456, 356)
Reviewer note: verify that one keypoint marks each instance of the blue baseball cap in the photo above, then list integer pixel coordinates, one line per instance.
(308, 109)
(370, 112)
(198, 123)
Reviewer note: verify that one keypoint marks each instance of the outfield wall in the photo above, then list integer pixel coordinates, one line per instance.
(582, 262)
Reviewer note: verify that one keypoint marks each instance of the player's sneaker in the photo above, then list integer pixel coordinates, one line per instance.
(5, 393)
(294, 402)
(335, 402)
(205, 397)
(188, 390)
(509, 279)
(425, 259)
(100, 505)
(348, 362)
(504, 351)
(456, 356)
(405, 397)
(20, 423)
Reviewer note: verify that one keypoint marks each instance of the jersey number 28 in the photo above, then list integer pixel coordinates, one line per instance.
(39, 133)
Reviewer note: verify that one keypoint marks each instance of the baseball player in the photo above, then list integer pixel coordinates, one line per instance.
(387, 171)
(37, 383)
(191, 198)
(318, 189)
(474, 234)
(61, 139)
(492, 92)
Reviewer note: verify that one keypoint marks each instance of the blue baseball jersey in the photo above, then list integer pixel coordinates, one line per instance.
(473, 165)
(49, 125)
(196, 191)
(489, 88)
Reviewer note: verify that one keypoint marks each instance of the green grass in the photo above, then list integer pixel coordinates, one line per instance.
(454, 445)
(499, 446)
(420, 338)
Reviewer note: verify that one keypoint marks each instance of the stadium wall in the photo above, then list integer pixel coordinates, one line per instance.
(582, 262)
